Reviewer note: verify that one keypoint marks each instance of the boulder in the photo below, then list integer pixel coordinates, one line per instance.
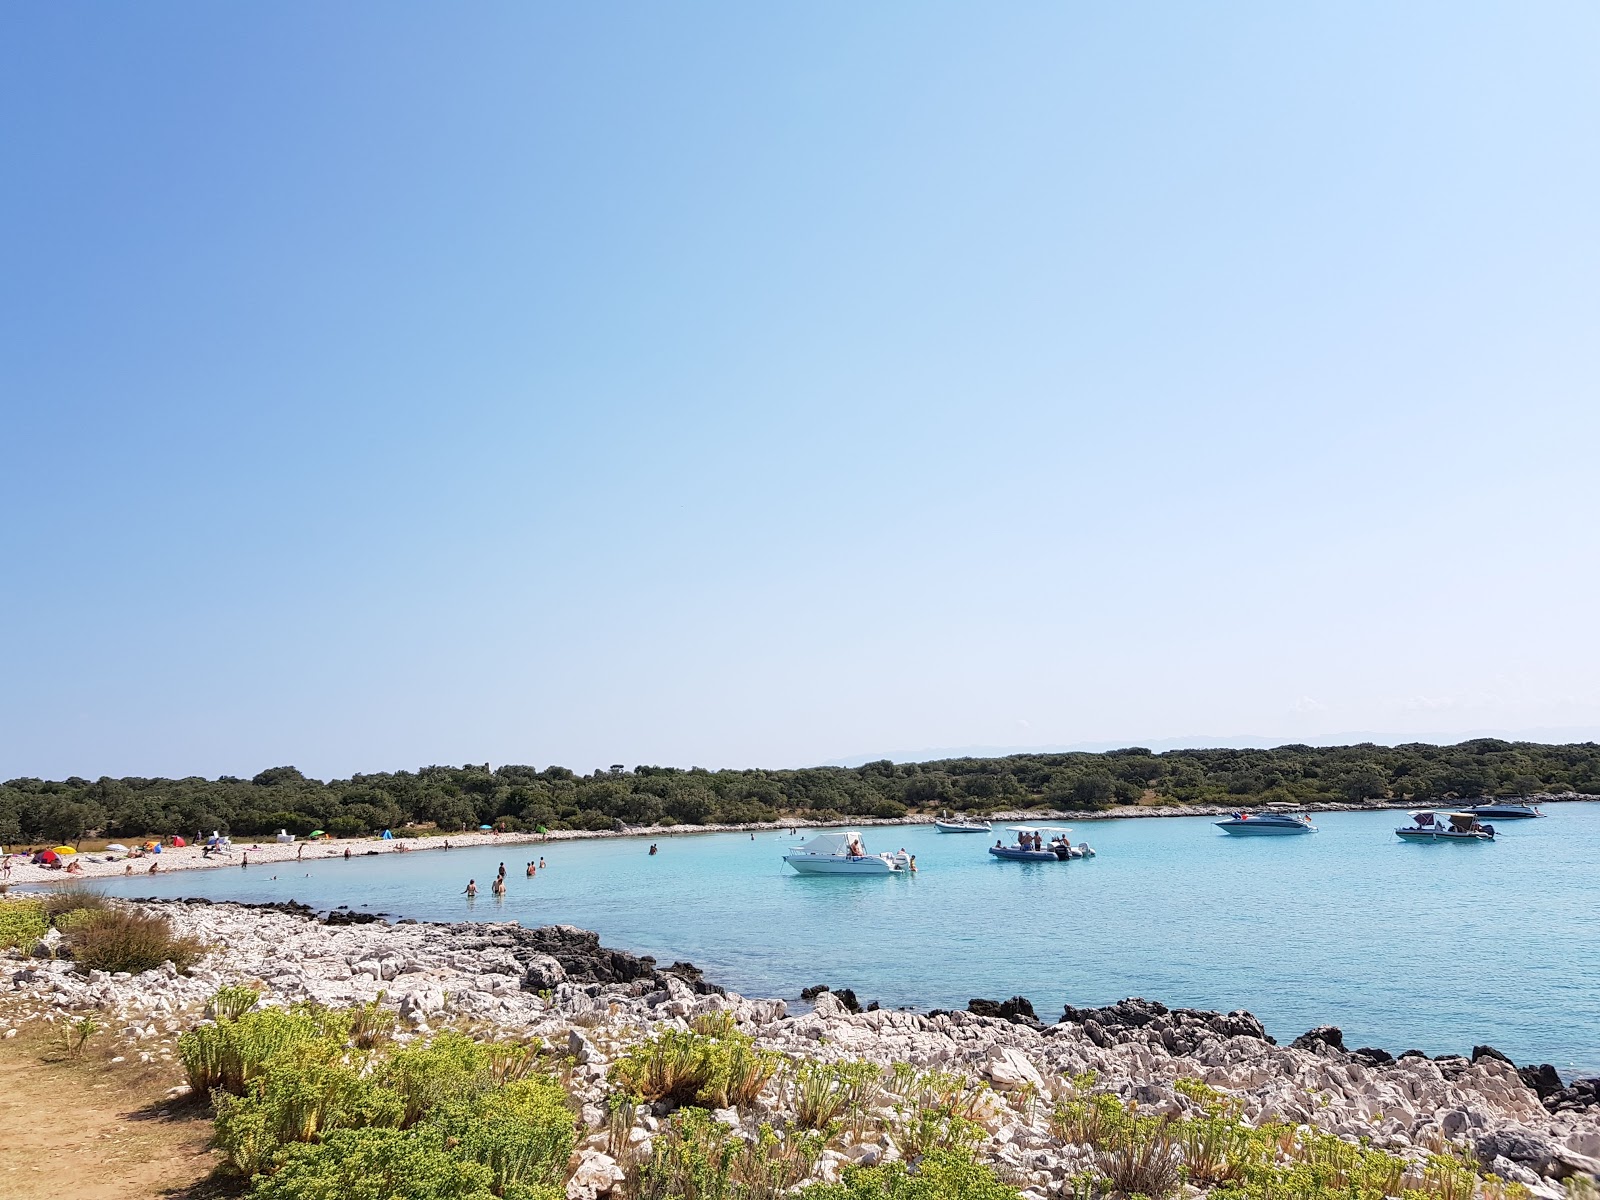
(1018, 1010)
(1321, 1040)
(1543, 1079)
(1008, 1070)
(597, 1175)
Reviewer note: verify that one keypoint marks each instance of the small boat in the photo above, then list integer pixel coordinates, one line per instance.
(842, 854)
(1267, 824)
(1458, 827)
(1505, 812)
(961, 825)
(1052, 843)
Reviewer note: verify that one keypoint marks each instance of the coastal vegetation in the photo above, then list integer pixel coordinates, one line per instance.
(37, 811)
(93, 933)
(306, 1108)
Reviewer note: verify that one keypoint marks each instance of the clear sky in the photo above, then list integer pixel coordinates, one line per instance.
(754, 384)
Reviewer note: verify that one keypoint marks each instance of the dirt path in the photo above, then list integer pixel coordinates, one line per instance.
(95, 1131)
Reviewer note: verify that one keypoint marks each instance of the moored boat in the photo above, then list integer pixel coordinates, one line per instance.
(1457, 827)
(960, 825)
(1267, 824)
(842, 854)
(1042, 843)
(1505, 812)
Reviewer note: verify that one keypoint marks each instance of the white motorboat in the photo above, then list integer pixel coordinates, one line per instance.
(1458, 827)
(1505, 812)
(843, 854)
(961, 825)
(1267, 824)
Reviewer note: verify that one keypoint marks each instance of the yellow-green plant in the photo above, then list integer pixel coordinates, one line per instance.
(936, 1110)
(22, 924)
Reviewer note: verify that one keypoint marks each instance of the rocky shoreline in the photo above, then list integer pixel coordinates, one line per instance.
(558, 983)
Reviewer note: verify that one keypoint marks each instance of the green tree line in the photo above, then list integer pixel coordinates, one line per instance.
(521, 797)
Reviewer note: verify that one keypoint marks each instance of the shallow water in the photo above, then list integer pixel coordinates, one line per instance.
(1436, 946)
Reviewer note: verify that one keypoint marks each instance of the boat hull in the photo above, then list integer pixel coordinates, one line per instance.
(1018, 855)
(1429, 835)
(1262, 829)
(1513, 813)
(944, 828)
(826, 865)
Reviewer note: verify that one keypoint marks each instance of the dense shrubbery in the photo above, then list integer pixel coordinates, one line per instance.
(22, 924)
(314, 1102)
(95, 934)
(33, 810)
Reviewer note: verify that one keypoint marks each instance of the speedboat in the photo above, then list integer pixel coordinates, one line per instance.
(843, 854)
(1052, 842)
(1505, 812)
(1457, 827)
(1267, 824)
(960, 825)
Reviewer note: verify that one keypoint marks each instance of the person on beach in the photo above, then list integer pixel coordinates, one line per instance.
(154, 867)
(471, 890)
(127, 868)
(299, 852)
(347, 851)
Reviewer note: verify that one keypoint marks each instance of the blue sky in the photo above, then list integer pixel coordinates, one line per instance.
(763, 385)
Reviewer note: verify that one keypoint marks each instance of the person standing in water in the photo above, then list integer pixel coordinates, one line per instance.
(499, 887)
(471, 890)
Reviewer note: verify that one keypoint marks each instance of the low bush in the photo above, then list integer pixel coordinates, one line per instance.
(825, 1093)
(74, 897)
(22, 924)
(232, 1052)
(378, 1164)
(119, 939)
(683, 1067)
(698, 1158)
(524, 1133)
(941, 1175)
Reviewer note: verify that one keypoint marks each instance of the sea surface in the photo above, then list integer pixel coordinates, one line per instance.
(1436, 947)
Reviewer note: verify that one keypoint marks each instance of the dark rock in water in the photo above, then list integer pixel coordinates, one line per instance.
(1178, 1030)
(693, 976)
(1372, 1056)
(1576, 1096)
(873, 1007)
(1132, 1013)
(1320, 1040)
(1543, 1079)
(349, 918)
(847, 997)
(1412, 1054)
(1018, 1010)
(1489, 1052)
(811, 993)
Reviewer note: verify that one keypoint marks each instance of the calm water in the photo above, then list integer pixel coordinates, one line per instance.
(1435, 947)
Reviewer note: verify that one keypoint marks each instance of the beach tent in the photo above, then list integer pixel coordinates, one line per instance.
(47, 856)
(65, 850)
(116, 848)
(388, 836)
(178, 841)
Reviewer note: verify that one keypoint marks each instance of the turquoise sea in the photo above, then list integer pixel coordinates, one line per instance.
(1433, 947)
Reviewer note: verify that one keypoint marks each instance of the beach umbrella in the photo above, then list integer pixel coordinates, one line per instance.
(316, 833)
(484, 828)
(65, 850)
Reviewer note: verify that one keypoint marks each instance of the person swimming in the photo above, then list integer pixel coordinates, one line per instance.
(471, 890)
(530, 871)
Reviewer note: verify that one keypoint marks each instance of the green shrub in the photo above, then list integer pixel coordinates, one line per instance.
(936, 1111)
(375, 1164)
(682, 1067)
(524, 1133)
(231, 1053)
(941, 1175)
(450, 1069)
(301, 1094)
(22, 924)
(692, 1159)
(823, 1093)
(73, 897)
(121, 939)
